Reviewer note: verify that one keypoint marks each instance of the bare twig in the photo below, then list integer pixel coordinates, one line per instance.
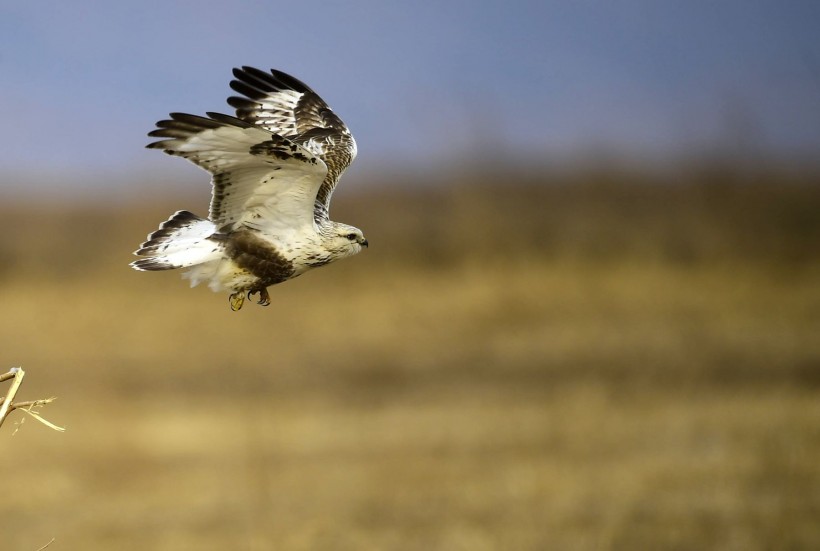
(31, 403)
(11, 374)
(46, 545)
(8, 404)
(16, 374)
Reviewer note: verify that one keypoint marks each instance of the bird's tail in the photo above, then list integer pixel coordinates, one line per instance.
(182, 240)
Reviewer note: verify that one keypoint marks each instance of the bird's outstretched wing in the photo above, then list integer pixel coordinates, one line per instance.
(260, 179)
(285, 106)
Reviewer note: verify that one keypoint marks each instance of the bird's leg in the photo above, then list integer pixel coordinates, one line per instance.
(264, 297)
(237, 300)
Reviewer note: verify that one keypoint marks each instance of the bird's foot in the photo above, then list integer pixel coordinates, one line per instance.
(237, 300)
(264, 297)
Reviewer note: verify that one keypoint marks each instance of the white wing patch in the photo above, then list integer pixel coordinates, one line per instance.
(277, 113)
(259, 179)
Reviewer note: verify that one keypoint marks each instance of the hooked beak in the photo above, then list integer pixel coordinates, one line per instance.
(363, 243)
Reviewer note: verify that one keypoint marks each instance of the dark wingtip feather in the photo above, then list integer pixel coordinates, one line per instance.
(242, 103)
(247, 90)
(182, 126)
(229, 120)
(169, 133)
(151, 265)
(259, 80)
(257, 74)
(290, 81)
(195, 120)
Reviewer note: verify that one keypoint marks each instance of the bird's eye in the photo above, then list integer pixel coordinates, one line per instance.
(351, 236)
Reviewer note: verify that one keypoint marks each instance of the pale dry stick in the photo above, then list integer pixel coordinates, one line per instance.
(16, 374)
(46, 545)
(8, 405)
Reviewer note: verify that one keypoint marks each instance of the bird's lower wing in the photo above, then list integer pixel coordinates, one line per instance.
(260, 179)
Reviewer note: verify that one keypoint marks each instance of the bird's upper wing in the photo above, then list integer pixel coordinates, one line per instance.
(260, 179)
(286, 106)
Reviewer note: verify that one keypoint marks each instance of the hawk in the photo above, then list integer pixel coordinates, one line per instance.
(273, 168)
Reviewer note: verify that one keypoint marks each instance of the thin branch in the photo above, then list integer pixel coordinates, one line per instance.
(28, 404)
(9, 375)
(8, 404)
(17, 375)
(46, 545)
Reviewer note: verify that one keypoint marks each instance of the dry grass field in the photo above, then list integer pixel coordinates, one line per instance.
(591, 364)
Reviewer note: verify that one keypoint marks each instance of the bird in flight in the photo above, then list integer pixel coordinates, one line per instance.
(273, 168)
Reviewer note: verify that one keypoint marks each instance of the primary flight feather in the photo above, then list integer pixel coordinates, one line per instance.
(273, 168)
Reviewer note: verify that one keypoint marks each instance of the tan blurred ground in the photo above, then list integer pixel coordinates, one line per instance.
(607, 362)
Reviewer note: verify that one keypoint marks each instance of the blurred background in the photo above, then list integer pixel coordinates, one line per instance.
(588, 318)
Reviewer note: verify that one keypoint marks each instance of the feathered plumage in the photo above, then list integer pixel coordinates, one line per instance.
(274, 167)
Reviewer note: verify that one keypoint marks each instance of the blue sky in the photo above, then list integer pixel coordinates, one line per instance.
(419, 83)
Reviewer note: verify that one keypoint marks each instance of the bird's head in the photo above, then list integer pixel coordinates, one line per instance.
(345, 240)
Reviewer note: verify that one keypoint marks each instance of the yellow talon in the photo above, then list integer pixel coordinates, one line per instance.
(237, 300)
